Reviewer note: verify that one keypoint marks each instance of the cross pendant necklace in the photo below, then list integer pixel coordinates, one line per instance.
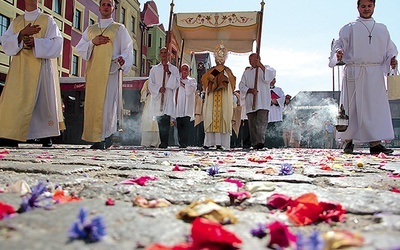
(369, 31)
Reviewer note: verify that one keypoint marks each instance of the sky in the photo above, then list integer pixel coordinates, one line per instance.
(296, 35)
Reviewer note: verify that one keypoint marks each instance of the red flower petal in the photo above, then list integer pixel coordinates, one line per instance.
(208, 233)
(305, 209)
(140, 181)
(61, 198)
(332, 212)
(304, 213)
(110, 202)
(237, 182)
(6, 209)
(396, 190)
(280, 235)
(279, 201)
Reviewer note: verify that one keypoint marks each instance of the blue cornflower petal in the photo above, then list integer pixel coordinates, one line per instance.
(286, 169)
(213, 170)
(35, 199)
(84, 229)
(260, 231)
(316, 241)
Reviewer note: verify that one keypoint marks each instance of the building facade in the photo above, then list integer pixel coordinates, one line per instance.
(63, 16)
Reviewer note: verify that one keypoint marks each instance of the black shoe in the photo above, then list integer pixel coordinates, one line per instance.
(259, 146)
(380, 149)
(163, 145)
(98, 145)
(8, 143)
(206, 147)
(348, 149)
(108, 142)
(219, 147)
(46, 142)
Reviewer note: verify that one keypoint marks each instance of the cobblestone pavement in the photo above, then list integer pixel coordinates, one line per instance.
(365, 185)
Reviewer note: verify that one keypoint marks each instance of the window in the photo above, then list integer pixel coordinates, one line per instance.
(4, 23)
(91, 21)
(122, 17)
(133, 24)
(134, 57)
(149, 40)
(57, 6)
(75, 65)
(77, 19)
(161, 43)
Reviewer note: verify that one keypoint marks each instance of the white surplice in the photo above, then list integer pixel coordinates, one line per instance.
(172, 82)
(367, 57)
(263, 96)
(46, 48)
(275, 111)
(122, 47)
(185, 98)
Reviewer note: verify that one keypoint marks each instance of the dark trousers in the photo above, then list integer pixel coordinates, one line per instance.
(274, 135)
(245, 131)
(243, 138)
(164, 122)
(258, 122)
(183, 125)
(199, 136)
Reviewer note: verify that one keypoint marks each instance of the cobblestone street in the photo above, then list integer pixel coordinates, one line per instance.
(366, 186)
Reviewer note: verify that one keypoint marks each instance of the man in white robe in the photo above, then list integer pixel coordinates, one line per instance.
(163, 80)
(274, 137)
(368, 52)
(107, 46)
(184, 97)
(30, 104)
(257, 115)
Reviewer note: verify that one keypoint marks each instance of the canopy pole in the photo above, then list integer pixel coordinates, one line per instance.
(171, 12)
(167, 42)
(258, 52)
(182, 49)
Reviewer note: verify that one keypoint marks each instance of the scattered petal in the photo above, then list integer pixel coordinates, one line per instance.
(142, 202)
(178, 168)
(60, 198)
(207, 209)
(6, 210)
(238, 197)
(140, 181)
(238, 183)
(341, 239)
(110, 202)
(260, 231)
(395, 190)
(280, 235)
(286, 169)
(87, 230)
(207, 234)
(36, 199)
(213, 170)
(279, 201)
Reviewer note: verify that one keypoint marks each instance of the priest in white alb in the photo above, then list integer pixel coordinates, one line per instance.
(184, 109)
(164, 79)
(30, 105)
(106, 46)
(368, 52)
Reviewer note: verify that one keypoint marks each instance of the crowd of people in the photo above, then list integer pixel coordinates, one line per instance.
(218, 115)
